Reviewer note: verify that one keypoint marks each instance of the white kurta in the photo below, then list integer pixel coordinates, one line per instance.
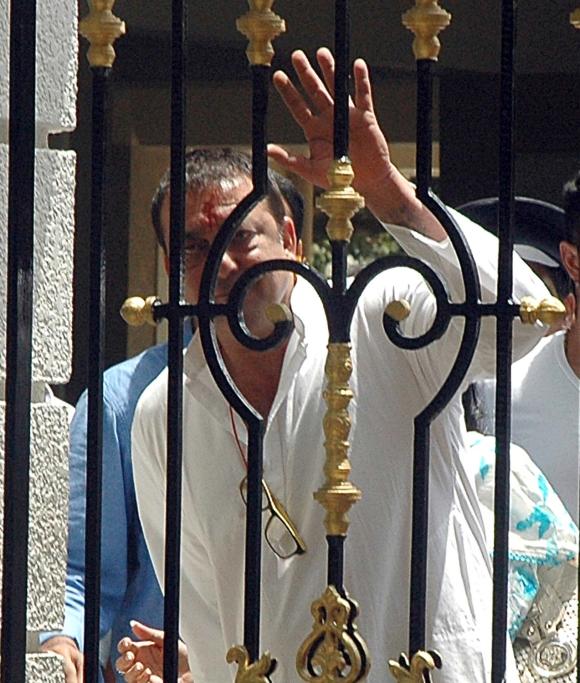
(545, 415)
(391, 386)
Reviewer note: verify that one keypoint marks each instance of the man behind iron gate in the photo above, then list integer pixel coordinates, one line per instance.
(285, 385)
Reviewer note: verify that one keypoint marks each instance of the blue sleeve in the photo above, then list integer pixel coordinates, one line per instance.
(114, 520)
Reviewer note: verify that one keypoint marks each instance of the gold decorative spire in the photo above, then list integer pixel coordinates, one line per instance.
(575, 18)
(136, 312)
(341, 201)
(333, 652)
(101, 28)
(337, 495)
(260, 26)
(426, 20)
(547, 311)
(258, 672)
(414, 672)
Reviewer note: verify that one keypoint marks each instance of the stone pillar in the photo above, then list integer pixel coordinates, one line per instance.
(56, 89)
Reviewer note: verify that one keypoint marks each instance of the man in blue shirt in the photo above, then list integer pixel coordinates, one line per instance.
(129, 588)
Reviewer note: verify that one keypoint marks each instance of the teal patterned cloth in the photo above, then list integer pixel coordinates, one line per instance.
(542, 533)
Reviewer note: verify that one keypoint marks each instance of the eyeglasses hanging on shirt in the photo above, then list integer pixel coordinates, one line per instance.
(280, 532)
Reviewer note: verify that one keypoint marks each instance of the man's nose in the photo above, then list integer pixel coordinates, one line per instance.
(228, 266)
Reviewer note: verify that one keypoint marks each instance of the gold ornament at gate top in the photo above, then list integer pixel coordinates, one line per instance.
(333, 652)
(260, 26)
(426, 20)
(101, 28)
(136, 311)
(575, 18)
(337, 494)
(548, 311)
(248, 672)
(414, 672)
(340, 202)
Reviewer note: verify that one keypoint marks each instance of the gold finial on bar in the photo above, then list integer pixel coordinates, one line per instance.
(575, 18)
(415, 671)
(334, 650)
(547, 311)
(337, 495)
(398, 310)
(101, 28)
(258, 672)
(260, 26)
(426, 20)
(136, 312)
(341, 201)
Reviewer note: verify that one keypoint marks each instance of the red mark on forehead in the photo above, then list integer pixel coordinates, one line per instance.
(214, 210)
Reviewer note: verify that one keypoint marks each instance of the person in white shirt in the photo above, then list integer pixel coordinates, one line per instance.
(545, 410)
(285, 385)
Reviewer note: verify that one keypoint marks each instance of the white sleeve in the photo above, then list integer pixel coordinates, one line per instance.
(199, 620)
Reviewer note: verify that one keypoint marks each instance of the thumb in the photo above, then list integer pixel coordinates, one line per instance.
(144, 632)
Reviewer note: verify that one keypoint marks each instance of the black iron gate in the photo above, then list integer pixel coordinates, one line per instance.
(340, 202)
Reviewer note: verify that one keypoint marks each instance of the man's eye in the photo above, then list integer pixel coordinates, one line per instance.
(243, 237)
(196, 247)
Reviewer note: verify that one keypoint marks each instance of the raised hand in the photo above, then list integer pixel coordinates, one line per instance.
(387, 193)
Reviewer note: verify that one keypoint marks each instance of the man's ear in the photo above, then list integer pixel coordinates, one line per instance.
(289, 238)
(570, 260)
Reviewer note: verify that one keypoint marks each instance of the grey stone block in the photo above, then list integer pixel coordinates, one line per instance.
(44, 668)
(56, 65)
(53, 263)
(48, 514)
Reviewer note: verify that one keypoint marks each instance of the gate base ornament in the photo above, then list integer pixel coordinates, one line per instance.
(257, 672)
(418, 670)
(334, 652)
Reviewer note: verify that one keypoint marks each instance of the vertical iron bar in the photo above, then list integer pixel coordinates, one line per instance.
(424, 126)
(19, 337)
(175, 394)
(420, 540)
(504, 342)
(253, 565)
(421, 449)
(253, 575)
(342, 56)
(336, 562)
(339, 266)
(97, 266)
(260, 92)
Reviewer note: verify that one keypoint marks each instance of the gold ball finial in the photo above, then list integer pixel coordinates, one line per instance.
(101, 28)
(547, 311)
(136, 312)
(426, 20)
(278, 313)
(398, 310)
(260, 26)
(575, 18)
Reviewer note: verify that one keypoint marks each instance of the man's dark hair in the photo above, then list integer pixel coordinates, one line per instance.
(211, 167)
(572, 209)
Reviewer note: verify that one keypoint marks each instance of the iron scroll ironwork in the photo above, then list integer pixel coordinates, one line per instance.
(321, 657)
